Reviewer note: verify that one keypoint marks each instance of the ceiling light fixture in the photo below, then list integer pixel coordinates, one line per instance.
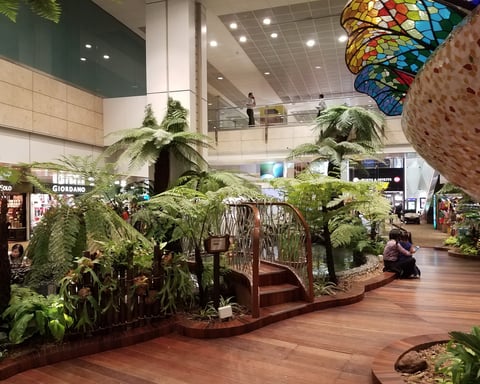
(267, 21)
(310, 43)
(233, 25)
(318, 67)
(274, 35)
(266, 73)
(343, 38)
(106, 57)
(213, 43)
(88, 45)
(220, 78)
(242, 39)
(83, 59)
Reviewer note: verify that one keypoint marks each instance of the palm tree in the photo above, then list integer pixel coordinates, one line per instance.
(160, 144)
(335, 153)
(48, 9)
(353, 124)
(344, 133)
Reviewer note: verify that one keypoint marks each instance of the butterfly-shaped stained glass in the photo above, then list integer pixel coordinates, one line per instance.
(390, 41)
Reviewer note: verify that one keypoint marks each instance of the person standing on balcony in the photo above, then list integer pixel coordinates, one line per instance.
(250, 105)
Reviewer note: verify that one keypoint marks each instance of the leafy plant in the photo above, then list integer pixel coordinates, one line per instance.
(177, 285)
(159, 144)
(30, 314)
(329, 205)
(76, 291)
(322, 287)
(461, 362)
(291, 245)
(451, 241)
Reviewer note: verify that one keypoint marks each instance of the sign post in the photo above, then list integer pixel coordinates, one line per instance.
(215, 245)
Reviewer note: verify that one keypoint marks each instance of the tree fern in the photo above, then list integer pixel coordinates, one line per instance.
(47, 9)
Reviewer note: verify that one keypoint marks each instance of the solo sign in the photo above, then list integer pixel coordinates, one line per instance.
(6, 188)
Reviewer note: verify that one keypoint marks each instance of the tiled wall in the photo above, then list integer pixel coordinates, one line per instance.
(33, 102)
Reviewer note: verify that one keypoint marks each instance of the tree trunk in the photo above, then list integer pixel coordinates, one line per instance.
(4, 261)
(329, 254)
(162, 172)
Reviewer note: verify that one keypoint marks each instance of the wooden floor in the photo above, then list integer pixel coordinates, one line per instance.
(332, 346)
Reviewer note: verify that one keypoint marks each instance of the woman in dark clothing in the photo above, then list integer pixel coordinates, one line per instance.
(404, 266)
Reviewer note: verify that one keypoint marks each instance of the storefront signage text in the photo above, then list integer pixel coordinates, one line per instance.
(6, 188)
(69, 188)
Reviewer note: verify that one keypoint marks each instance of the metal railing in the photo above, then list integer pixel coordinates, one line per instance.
(270, 232)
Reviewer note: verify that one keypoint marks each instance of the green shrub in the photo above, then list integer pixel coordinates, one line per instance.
(451, 241)
(461, 362)
(30, 314)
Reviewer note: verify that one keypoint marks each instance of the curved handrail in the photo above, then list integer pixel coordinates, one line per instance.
(258, 230)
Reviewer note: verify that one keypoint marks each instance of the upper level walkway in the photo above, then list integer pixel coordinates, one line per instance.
(332, 346)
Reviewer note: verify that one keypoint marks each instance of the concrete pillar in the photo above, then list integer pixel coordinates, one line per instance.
(176, 49)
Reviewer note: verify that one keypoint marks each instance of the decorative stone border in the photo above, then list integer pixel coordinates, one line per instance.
(383, 367)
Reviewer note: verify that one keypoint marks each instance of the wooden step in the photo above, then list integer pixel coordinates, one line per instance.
(284, 308)
(278, 294)
(273, 277)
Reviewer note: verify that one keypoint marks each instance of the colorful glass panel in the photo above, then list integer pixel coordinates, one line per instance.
(389, 37)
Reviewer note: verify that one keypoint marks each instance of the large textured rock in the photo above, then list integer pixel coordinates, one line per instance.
(411, 362)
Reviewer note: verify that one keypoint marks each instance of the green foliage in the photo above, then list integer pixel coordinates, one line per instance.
(210, 313)
(451, 241)
(322, 287)
(470, 250)
(127, 254)
(330, 207)
(177, 286)
(291, 245)
(353, 124)
(193, 214)
(31, 314)
(143, 145)
(47, 9)
(84, 307)
(78, 224)
(461, 362)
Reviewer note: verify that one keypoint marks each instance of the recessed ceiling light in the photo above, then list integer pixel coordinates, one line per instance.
(242, 39)
(210, 104)
(274, 35)
(106, 57)
(310, 43)
(266, 73)
(213, 43)
(83, 59)
(220, 78)
(267, 21)
(88, 46)
(233, 25)
(343, 38)
(318, 67)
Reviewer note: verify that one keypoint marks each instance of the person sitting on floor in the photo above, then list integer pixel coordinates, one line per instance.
(406, 244)
(404, 267)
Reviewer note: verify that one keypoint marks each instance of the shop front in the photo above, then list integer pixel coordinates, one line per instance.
(17, 197)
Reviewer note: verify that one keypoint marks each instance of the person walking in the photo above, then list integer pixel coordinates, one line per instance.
(250, 105)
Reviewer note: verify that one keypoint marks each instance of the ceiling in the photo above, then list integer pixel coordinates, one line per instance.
(296, 72)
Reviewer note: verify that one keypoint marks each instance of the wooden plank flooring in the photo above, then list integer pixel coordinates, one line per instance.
(332, 346)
